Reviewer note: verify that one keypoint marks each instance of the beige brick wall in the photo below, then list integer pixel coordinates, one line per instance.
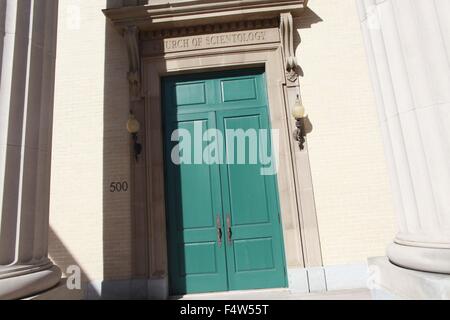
(89, 225)
(354, 206)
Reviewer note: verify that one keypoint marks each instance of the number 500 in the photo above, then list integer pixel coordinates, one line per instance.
(118, 187)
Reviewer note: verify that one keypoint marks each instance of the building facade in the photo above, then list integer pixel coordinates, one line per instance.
(137, 224)
(328, 230)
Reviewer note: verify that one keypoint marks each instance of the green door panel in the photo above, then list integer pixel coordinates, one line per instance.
(191, 93)
(240, 89)
(202, 196)
(193, 201)
(255, 256)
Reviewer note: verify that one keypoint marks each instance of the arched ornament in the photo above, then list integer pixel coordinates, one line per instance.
(287, 38)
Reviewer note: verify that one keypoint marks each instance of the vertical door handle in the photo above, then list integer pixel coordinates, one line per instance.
(229, 232)
(219, 231)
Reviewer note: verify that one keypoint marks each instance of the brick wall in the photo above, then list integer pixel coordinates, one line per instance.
(89, 225)
(353, 198)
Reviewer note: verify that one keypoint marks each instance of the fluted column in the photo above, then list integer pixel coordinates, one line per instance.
(408, 46)
(27, 62)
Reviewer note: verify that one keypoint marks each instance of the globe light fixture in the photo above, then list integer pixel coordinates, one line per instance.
(133, 127)
(299, 114)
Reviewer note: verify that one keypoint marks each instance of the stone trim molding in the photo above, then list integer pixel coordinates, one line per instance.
(210, 41)
(21, 270)
(210, 28)
(422, 258)
(163, 14)
(162, 20)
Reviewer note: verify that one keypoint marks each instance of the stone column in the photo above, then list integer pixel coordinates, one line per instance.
(408, 46)
(27, 64)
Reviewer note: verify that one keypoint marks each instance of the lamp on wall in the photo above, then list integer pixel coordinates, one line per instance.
(299, 114)
(133, 127)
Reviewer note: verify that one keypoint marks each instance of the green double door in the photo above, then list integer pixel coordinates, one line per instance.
(224, 230)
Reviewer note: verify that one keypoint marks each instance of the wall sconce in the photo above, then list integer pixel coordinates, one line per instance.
(133, 127)
(298, 112)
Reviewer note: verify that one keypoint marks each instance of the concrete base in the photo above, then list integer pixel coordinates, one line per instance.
(134, 289)
(328, 278)
(158, 289)
(26, 284)
(388, 281)
(131, 289)
(298, 280)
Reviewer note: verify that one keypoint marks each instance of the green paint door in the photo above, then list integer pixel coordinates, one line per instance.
(224, 230)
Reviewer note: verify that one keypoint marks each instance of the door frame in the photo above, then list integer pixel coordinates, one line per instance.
(276, 213)
(296, 200)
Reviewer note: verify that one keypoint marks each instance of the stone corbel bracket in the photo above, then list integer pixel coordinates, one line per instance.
(131, 36)
(287, 38)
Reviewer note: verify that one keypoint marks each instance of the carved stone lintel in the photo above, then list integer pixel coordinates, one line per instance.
(287, 35)
(131, 35)
(222, 27)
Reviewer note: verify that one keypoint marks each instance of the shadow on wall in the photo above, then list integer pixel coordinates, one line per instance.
(121, 260)
(62, 257)
(305, 21)
(124, 237)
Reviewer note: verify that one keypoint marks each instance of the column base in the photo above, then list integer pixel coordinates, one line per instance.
(19, 282)
(388, 281)
(435, 260)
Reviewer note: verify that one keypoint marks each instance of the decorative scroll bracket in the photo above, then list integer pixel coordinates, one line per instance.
(287, 38)
(131, 35)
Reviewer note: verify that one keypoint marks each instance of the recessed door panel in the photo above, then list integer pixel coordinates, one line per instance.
(246, 185)
(240, 89)
(190, 93)
(196, 198)
(254, 255)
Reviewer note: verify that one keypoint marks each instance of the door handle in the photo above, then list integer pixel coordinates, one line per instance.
(229, 232)
(219, 231)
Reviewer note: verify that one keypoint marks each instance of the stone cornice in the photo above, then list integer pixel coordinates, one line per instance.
(210, 28)
(167, 15)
